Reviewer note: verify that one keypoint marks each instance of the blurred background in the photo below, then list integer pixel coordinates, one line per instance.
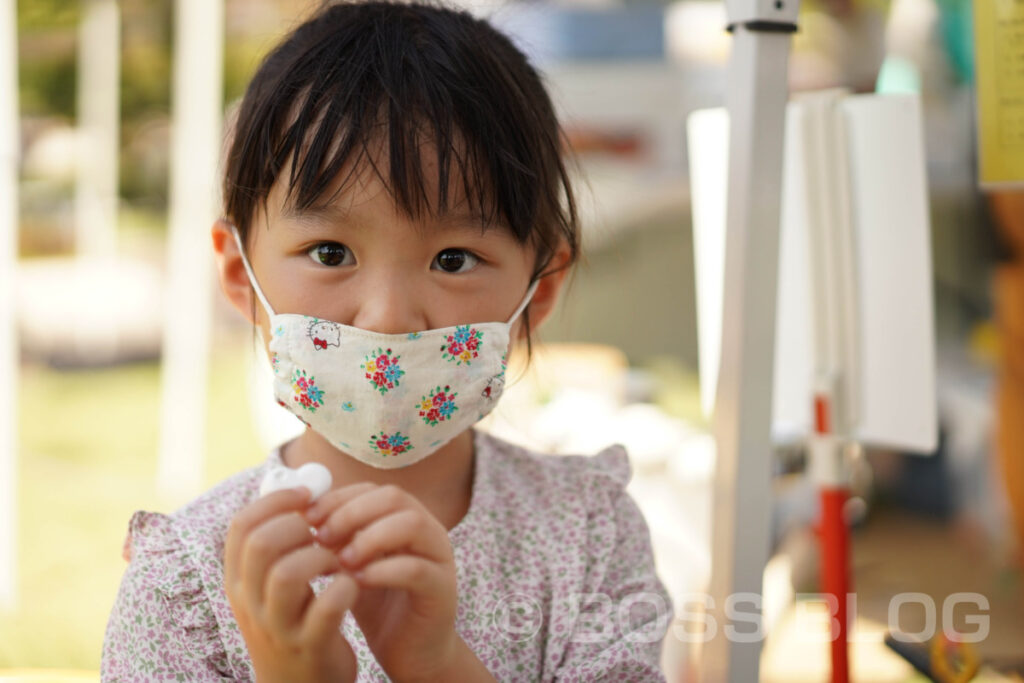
(109, 254)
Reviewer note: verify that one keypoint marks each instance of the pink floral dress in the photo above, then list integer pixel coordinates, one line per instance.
(555, 577)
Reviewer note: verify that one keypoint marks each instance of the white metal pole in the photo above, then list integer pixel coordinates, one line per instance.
(9, 144)
(741, 520)
(196, 125)
(98, 132)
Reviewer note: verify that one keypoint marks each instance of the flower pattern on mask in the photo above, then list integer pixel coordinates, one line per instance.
(438, 406)
(383, 370)
(307, 393)
(324, 333)
(461, 345)
(412, 336)
(394, 444)
(275, 361)
(348, 406)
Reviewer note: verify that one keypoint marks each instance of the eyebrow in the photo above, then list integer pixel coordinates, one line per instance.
(460, 218)
(321, 211)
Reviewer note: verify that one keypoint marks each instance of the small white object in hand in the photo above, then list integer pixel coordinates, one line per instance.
(312, 475)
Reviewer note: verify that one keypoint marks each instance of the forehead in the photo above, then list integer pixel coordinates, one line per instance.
(364, 191)
(429, 169)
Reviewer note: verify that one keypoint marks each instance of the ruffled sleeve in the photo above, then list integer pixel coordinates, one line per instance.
(625, 610)
(162, 626)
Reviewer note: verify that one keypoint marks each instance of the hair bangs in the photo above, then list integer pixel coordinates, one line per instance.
(424, 163)
(396, 121)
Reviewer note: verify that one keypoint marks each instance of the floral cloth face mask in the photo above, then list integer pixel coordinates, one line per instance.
(388, 400)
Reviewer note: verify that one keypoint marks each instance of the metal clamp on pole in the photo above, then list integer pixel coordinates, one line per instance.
(768, 16)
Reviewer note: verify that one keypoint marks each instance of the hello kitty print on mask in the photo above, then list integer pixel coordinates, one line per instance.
(324, 333)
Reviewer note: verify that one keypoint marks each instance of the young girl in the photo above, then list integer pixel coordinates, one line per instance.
(397, 217)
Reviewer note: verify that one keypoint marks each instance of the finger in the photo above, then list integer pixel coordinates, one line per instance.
(335, 498)
(251, 516)
(287, 588)
(323, 618)
(405, 572)
(360, 511)
(405, 531)
(265, 546)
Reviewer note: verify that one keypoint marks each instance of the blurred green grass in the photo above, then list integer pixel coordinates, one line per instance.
(87, 460)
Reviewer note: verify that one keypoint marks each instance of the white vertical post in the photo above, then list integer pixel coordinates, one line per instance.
(9, 142)
(741, 520)
(195, 135)
(98, 132)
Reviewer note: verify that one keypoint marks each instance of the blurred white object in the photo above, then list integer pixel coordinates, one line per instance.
(89, 312)
(889, 193)
(890, 376)
(98, 138)
(9, 145)
(195, 144)
(312, 475)
(694, 32)
(965, 390)
(53, 155)
(910, 30)
(709, 168)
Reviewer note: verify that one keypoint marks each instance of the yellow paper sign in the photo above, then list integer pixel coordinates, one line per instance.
(999, 51)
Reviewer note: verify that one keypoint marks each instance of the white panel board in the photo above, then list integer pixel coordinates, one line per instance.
(895, 379)
(708, 144)
(892, 239)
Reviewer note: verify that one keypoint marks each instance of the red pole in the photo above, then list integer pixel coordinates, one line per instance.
(835, 551)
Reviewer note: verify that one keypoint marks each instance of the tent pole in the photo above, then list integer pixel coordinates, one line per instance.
(98, 130)
(195, 149)
(741, 518)
(9, 145)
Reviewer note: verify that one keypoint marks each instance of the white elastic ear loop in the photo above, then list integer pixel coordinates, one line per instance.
(525, 302)
(252, 276)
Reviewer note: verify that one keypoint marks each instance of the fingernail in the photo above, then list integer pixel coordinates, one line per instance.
(324, 535)
(348, 554)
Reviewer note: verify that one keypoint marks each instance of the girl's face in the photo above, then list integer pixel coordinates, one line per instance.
(361, 261)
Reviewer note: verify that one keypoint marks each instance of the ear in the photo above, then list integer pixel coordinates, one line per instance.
(233, 280)
(545, 298)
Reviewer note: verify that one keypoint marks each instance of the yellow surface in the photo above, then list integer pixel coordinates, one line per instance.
(999, 48)
(47, 675)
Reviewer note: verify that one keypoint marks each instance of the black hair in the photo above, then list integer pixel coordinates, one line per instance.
(355, 76)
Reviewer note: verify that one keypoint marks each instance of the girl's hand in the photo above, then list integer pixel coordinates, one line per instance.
(401, 556)
(269, 560)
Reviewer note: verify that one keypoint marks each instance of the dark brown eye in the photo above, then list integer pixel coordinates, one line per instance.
(331, 254)
(455, 260)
